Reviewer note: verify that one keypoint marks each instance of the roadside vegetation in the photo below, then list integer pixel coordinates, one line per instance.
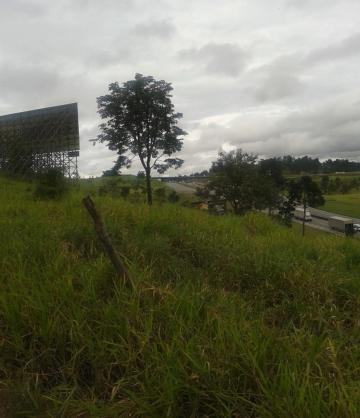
(344, 204)
(130, 188)
(227, 317)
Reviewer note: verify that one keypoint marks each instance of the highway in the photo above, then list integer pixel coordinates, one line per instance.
(320, 224)
(181, 187)
(319, 217)
(320, 221)
(326, 215)
(317, 223)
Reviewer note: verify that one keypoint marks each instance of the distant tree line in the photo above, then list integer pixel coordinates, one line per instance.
(298, 165)
(307, 164)
(339, 185)
(301, 165)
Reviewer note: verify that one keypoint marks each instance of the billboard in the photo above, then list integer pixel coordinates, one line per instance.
(39, 139)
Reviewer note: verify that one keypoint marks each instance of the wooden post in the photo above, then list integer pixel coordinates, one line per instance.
(105, 239)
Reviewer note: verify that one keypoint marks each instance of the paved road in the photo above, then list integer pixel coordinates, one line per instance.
(326, 215)
(181, 187)
(320, 224)
(319, 217)
(320, 221)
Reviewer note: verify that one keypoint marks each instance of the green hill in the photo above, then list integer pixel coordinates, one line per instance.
(227, 317)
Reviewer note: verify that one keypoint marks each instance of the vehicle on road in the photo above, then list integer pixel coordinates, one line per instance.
(299, 214)
(341, 224)
(356, 227)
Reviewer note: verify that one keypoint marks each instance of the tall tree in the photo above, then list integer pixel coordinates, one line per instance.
(141, 121)
(272, 182)
(308, 193)
(324, 183)
(233, 177)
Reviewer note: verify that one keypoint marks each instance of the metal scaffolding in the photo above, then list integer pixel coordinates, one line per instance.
(33, 141)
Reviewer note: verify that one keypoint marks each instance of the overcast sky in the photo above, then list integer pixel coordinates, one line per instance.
(272, 77)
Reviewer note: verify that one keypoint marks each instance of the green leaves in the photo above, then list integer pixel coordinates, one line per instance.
(140, 121)
(307, 191)
(235, 177)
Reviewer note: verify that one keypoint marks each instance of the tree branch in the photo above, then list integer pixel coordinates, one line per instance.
(157, 159)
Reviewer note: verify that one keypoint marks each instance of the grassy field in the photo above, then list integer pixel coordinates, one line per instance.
(225, 317)
(344, 204)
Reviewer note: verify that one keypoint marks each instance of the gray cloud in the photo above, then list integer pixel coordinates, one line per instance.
(323, 129)
(277, 86)
(162, 29)
(28, 8)
(347, 47)
(22, 82)
(108, 58)
(302, 4)
(298, 62)
(272, 77)
(226, 59)
(284, 76)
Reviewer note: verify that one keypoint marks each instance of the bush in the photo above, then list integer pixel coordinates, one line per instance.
(160, 194)
(125, 191)
(111, 187)
(173, 197)
(51, 184)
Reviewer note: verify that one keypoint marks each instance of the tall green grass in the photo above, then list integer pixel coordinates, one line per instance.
(345, 204)
(228, 317)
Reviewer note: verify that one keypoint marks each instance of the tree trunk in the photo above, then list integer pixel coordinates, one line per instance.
(148, 187)
(304, 215)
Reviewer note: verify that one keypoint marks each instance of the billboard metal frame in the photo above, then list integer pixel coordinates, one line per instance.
(36, 140)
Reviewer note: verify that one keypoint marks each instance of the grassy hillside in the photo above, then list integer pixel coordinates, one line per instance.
(345, 204)
(227, 317)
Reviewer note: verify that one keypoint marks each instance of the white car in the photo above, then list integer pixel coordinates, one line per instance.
(356, 227)
(299, 214)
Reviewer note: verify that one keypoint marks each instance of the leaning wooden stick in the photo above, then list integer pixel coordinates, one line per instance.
(105, 239)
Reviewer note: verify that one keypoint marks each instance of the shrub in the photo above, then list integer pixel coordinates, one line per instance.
(51, 184)
(125, 191)
(111, 187)
(160, 194)
(173, 197)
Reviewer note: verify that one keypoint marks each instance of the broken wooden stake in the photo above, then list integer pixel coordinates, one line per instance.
(105, 239)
